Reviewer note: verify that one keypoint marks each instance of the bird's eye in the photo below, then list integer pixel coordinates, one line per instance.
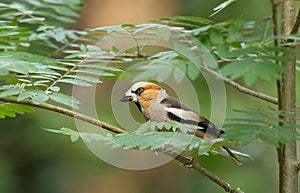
(139, 91)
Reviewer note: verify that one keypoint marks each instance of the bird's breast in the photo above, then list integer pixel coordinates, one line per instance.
(156, 112)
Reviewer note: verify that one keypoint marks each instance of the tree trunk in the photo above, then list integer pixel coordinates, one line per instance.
(287, 154)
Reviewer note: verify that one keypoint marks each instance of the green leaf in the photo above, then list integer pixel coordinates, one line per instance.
(103, 67)
(153, 140)
(205, 146)
(164, 32)
(250, 77)
(4, 72)
(25, 95)
(127, 25)
(215, 37)
(88, 137)
(95, 72)
(238, 68)
(75, 82)
(40, 98)
(9, 109)
(143, 128)
(64, 99)
(6, 111)
(192, 71)
(11, 92)
(252, 68)
(200, 30)
(115, 49)
(236, 26)
(153, 71)
(74, 135)
(55, 88)
(64, 10)
(85, 78)
(167, 125)
(185, 21)
(186, 52)
(4, 34)
(181, 140)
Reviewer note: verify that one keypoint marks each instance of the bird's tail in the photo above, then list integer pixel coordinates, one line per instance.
(232, 156)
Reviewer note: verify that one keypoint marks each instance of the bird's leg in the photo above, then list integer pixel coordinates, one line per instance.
(190, 153)
(189, 157)
(190, 162)
(161, 149)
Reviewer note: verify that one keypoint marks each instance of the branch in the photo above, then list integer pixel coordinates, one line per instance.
(287, 153)
(296, 25)
(193, 164)
(232, 83)
(185, 161)
(63, 76)
(275, 33)
(242, 88)
(67, 112)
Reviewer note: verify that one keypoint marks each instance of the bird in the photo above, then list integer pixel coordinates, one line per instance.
(156, 105)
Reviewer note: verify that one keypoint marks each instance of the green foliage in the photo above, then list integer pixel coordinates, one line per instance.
(244, 49)
(10, 110)
(180, 137)
(257, 125)
(75, 135)
(153, 139)
(252, 69)
(156, 140)
(38, 54)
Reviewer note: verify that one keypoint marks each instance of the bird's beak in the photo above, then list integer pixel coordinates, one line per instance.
(126, 99)
(129, 96)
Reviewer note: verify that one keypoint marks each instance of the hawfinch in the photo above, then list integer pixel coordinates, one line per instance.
(156, 105)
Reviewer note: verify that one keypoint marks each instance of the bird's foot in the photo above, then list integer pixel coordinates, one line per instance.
(161, 149)
(190, 153)
(189, 162)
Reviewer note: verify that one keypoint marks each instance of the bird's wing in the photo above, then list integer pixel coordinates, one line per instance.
(177, 111)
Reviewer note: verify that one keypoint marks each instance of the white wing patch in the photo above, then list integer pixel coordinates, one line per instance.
(184, 114)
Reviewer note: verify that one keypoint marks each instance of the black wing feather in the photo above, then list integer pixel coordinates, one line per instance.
(207, 126)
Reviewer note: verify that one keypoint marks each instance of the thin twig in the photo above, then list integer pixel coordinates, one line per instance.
(226, 60)
(227, 80)
(136, 43)
(31, 81)
(63, 76)
(185, 161)
(242, 88)
(66, 45)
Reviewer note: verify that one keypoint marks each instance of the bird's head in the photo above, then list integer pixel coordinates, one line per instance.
(143, 94)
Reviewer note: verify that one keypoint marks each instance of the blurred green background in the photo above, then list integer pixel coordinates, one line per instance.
(33, 160)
